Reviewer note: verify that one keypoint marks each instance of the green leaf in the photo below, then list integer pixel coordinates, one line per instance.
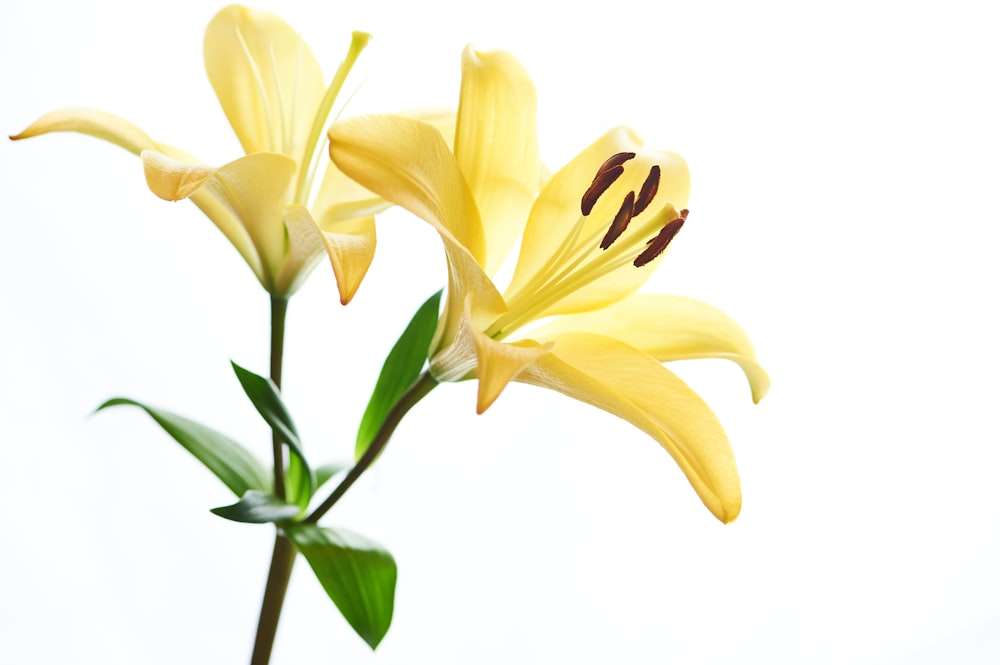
(233, 464)
(401, 368)
(357, 574)
(266, 399)
(258, 507)
(299, 480)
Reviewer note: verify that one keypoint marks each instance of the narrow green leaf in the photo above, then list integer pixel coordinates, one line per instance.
(357, 574)
(401, 368)
(266, 399)
(299, 481)
(233, 464)
(258, 507)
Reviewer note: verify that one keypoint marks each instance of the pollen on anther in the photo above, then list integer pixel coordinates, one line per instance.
(600, 185)
(614, 160)
(620, 222)
(648, 190)
(658, 245)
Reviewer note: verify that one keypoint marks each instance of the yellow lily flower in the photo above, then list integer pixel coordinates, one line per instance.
(570, 319)
(272, 91)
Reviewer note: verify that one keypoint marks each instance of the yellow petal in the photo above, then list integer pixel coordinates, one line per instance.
(443, 120)
(501, 363)
(171, 179)
(615, 377)
(100, 124)
(245, 199)
(496, 145)
(342, 198)
(305, 247)
(473, 354)
(266, 78)
(350, 244)
(407, 163)
(668, 328)
(557, 212)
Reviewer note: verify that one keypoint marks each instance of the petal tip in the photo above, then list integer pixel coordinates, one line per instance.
(729, 516)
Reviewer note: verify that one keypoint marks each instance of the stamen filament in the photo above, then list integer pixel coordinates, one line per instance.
(572, 279)
(541, 276)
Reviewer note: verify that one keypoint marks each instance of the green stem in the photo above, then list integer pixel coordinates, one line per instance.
(274, 597)
(416, 392)
(283, 556)
(279, 307)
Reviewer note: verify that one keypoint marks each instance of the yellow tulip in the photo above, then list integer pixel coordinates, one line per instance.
(570, 320)
(273, 93)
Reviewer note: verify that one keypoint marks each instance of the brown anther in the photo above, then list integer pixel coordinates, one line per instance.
(657, 245)
(648, 190)
(600, 185)
(614, 160)
(684, 213)
(620, 222)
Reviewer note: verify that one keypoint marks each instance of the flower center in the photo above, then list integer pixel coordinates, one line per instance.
(583, 258)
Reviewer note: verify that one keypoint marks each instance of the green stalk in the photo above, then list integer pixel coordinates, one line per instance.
(416, 392)
(279, 307)
(274, 597)
(283, 556)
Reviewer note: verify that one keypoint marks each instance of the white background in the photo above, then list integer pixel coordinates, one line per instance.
(844, 164)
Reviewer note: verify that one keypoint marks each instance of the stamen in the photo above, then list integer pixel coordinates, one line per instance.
(648, 190)
(658, 245)
(620, 222)
(602, 181)
(614, 160)
(606, 174)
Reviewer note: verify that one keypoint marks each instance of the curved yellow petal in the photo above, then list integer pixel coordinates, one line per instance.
(173, 180)
(407, 163)
(668, 327)
(557, 211)
(615, 377)
(496, 145)
(266, 78)
(93, 122)
(473, 354)
(443, 120)
(245, 198)
(350, 244)
(500, 363)
(344, 199)
(305, 246)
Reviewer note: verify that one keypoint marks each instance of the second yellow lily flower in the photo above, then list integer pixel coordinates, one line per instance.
(272, 90)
